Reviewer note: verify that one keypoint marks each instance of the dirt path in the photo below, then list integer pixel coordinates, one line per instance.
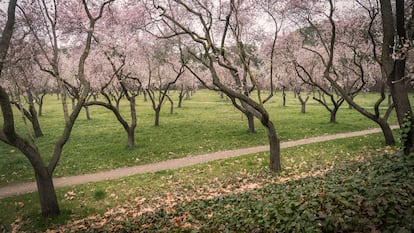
(22, 188)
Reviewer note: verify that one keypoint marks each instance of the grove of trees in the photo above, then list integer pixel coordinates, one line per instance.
(99, 52)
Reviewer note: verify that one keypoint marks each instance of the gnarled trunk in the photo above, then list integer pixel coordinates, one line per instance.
(47, 194)
(386, 131)
(394, 70)
(250, 120)
(274, 144)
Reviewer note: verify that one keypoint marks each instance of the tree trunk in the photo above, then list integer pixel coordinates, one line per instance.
(284, 96)
(180, 98)
(33, 116)
(73, 102)
(387, 132)
(349, 105)
(117, 102)
(88, 115)
(40, 104)
(47, 194)
(274, 144)
(250, 120)
(40, 112)
(131, 137)
(157, 117)
(303, 103)
(390, 103)
(333, 115)
(145, 96)
(36, 127)
(35, 121)
(394, 70)
(171, 104)
(402, 102)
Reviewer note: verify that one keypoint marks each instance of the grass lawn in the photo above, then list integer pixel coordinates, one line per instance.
(169, 200)
(135, 201)
(205, 123)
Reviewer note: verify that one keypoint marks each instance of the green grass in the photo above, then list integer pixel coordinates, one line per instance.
(204, 124)
(96, 198)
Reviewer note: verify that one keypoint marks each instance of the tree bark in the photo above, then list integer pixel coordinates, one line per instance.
(180, 97)
(88, 115)
(39, 101)
(31, 115)
(145, 96)
(394, 70)
(250, 120)
(303, 102)
(274, 144)
(40, 111)
(73, 101)
(332, 119)
(387, 132)
(35, 121)
(157, 117)
(47, 194)
(131, 137)
(171, 104)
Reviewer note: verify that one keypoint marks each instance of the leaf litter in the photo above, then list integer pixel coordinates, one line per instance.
(164, 211)
(242, 182)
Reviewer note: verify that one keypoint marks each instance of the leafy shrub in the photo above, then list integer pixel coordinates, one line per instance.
(375, 194)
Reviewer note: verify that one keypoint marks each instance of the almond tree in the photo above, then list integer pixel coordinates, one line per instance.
(326, 37)
(116, 70)
(44, 33)
(161, 74)
(17, 72)
(308, 68)
(206, 29)
(8, 131)
(397, 37)
(118, 81)
(185, 86)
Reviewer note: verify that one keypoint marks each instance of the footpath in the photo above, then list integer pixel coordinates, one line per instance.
(28, 187)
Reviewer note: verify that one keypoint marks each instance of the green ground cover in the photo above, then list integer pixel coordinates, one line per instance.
(347, 184)
(204, 124)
